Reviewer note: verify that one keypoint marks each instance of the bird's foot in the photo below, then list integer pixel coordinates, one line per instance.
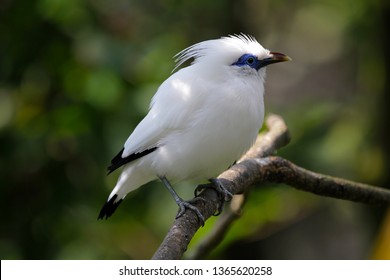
(183, 205)
(223, 193)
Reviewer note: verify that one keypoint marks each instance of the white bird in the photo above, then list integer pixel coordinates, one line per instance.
(200, 121)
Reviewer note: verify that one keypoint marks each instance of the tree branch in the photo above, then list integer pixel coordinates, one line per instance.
(228, 217)
(255, 167)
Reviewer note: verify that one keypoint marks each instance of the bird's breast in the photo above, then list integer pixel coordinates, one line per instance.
(217, 134)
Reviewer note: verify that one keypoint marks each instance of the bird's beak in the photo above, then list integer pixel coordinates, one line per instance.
(275, 57)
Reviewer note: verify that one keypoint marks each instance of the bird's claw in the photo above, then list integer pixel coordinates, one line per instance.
(183, 205)
(223, 193)
(200, 188)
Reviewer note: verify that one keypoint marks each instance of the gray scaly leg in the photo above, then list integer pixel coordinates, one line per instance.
(183, 205)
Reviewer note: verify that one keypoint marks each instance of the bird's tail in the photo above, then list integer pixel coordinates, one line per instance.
(132, 177)
(109, 207)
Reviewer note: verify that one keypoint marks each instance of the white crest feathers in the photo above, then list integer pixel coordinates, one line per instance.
(240, 43)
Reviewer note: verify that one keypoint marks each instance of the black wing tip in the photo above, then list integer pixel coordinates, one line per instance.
(118, 160)
(115, 162)
(110, 169)
(109, 208)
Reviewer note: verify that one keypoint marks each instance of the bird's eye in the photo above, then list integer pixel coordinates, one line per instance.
(250, 60)
(247, 60)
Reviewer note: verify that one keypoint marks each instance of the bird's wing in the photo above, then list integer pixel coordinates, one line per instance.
(119, 160)
(141, 142)
(170, 111)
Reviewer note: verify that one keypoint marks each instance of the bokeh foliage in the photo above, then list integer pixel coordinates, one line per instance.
(76, 76)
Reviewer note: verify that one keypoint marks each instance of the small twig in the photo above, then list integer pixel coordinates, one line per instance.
(279, 170)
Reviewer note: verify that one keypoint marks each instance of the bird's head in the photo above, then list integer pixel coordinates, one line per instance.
(239, 52)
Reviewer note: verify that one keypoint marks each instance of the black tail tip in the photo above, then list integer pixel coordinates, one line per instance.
(109, 208)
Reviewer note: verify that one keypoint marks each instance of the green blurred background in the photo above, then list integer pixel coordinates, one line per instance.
(76, 76)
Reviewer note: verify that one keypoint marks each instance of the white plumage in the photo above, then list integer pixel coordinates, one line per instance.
(201, 119)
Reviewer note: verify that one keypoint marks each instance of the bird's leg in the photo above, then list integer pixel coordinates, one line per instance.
(223, 193)
(181, 203)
